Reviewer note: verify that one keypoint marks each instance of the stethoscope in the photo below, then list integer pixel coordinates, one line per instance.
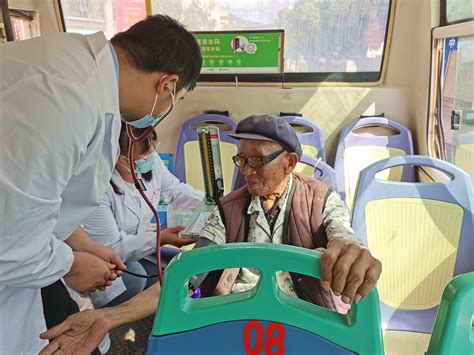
(141, 187)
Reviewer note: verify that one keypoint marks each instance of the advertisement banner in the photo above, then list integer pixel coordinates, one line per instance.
(241, 52)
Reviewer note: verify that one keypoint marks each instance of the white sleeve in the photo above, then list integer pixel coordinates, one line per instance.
(135, 246)
(177, 193)
(42, 141)
(102, 227)
(336, 219)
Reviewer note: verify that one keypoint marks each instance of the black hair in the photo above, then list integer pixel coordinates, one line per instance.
(161, 44)
(143, 147)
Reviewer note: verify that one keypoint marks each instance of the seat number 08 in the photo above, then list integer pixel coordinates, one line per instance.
(271, 344)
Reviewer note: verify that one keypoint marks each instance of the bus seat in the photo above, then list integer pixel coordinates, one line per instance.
(167, 253)
(318, 169)
(325, 173)
(399, 342)
(234, 323)
(306, 165)
(453, 328)
(310, 136)
(365, 141)
(188, 159)
(422, 234)
(463, 153)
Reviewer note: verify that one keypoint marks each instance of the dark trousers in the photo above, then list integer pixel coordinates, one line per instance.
(58, 305)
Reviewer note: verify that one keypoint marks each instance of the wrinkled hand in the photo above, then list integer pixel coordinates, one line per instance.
(348, 269)
(80, 334)
(89, 273)
(171, 236)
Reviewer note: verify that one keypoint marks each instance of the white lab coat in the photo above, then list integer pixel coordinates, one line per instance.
(59, 128)
(123, 219)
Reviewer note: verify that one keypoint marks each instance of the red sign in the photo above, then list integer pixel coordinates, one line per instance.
(128, 12)
(272, 345)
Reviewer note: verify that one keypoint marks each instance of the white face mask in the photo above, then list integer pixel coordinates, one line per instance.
(149, 120)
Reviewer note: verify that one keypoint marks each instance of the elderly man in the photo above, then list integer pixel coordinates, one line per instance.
(279, 206)
(276, 205)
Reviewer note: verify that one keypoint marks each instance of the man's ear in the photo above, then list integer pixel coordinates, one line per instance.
(167, 81)
(292, 159)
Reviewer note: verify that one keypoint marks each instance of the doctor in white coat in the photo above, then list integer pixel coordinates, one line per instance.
(61, 98)
(122, 221)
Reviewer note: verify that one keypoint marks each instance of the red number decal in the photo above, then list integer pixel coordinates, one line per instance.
(275, 341)
(248, 335)
(272, 341)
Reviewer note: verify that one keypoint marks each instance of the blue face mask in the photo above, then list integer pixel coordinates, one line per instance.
(145, 165)
(149, 120)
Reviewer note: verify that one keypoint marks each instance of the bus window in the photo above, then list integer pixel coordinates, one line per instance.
(321, 36)
(451, 127)
(325, 40)
(458, 10)
(112, 16)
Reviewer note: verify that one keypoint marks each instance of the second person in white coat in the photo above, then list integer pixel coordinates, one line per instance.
(122, 221)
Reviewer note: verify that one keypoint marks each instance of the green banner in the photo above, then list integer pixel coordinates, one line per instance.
(241, 52)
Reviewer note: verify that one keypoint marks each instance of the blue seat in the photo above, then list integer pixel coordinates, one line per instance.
(325, 173)
(318, 169)
(245, 322)
(306, 165)
(310, 136)
(421, 232)
(365, 141)
(188, 160)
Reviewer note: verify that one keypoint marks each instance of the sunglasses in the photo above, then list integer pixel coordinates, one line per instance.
(255, 162)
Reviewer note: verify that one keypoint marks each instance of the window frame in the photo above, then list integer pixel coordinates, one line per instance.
(434, 134)
(289, 80)
(6, 20)
(311, 79)
(444, 15)
(60, 15)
